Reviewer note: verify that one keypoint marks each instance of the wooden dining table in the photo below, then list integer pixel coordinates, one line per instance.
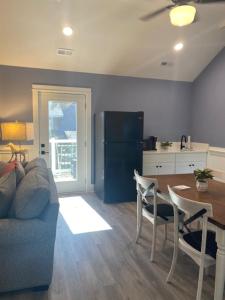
(216, 196)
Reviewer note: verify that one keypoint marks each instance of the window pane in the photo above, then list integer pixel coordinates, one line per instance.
(63, 139)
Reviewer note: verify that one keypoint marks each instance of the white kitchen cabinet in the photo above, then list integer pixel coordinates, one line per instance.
(158, 164)
(188, 162)
(166, 168)
(159, 168)
(173, 163)
(150, 168)
(188, 167)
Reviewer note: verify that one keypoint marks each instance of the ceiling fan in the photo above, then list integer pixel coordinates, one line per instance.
(181, 11)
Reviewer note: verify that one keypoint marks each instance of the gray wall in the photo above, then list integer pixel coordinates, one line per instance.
(166, 103)
(208, 104)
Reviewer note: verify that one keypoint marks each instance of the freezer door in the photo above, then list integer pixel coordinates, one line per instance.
(123, 126)
(120, 161)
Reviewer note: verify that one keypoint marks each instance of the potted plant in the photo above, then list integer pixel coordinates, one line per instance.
(202, 177)
(165, 145)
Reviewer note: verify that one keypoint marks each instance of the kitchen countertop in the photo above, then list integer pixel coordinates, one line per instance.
(175, 151)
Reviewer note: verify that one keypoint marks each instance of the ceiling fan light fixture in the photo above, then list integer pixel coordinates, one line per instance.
(182, 15)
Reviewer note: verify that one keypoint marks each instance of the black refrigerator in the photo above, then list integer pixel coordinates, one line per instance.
(118, 151)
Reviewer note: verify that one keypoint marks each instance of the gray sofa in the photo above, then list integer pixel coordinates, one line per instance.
(27, 233)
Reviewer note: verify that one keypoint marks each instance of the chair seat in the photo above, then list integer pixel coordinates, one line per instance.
(163, 210)
(194, 239)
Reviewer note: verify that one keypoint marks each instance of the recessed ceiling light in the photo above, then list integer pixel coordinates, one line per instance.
(178, 46)
(68, 31)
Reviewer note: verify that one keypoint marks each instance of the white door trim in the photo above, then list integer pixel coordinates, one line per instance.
(36, 90)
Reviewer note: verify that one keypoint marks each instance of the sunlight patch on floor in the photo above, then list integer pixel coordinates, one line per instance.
(80, 216)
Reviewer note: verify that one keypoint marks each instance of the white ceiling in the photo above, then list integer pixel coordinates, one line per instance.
(109, 37)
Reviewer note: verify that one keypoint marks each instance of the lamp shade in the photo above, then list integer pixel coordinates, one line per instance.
(30, 131)
(13, 131)
(182, 15)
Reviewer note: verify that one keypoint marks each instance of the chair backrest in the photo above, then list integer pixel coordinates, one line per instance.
(146, 186)
(196, 209)
(189, 206)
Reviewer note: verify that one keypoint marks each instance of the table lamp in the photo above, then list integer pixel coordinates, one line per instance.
(14, 132)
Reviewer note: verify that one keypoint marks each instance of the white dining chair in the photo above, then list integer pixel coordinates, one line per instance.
(200, 245)
(148, 206)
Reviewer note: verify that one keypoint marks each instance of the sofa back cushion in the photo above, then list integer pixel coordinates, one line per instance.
(43, 172)
(7, 191)
(37, 162)
(20, 172)
(37, 166)
(31, 198)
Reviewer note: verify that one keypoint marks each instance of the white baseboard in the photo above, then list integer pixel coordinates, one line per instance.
(90, 188)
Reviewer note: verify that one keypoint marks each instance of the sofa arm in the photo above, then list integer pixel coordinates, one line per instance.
(14, 231)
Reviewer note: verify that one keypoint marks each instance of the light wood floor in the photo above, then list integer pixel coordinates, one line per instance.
(108, 265)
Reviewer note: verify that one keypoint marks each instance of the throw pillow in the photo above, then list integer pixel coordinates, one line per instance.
(32, 196)
(9, 167)
(2, 165)
(7, 190)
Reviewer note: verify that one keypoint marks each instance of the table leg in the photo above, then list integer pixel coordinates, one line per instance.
(220, 264)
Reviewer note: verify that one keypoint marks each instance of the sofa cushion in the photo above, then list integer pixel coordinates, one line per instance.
(37, 162)
(32, 196)
(41, 172)
(20, 172)
(7, 190)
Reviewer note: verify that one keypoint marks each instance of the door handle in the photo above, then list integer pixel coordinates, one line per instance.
(44, 152)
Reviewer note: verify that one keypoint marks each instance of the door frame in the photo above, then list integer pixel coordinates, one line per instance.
(36, 91)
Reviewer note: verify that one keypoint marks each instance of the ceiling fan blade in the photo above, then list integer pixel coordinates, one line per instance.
(197, 18)
(208, 1)
(156, 13)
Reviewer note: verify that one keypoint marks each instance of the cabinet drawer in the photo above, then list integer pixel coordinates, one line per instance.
(154, 157)
(180, 157)
(188, 167)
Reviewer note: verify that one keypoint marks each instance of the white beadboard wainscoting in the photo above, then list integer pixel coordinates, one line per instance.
(216, 162)
(31, 153)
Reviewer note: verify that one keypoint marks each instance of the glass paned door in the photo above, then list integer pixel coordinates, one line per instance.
(62, 139)
(62, 118)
